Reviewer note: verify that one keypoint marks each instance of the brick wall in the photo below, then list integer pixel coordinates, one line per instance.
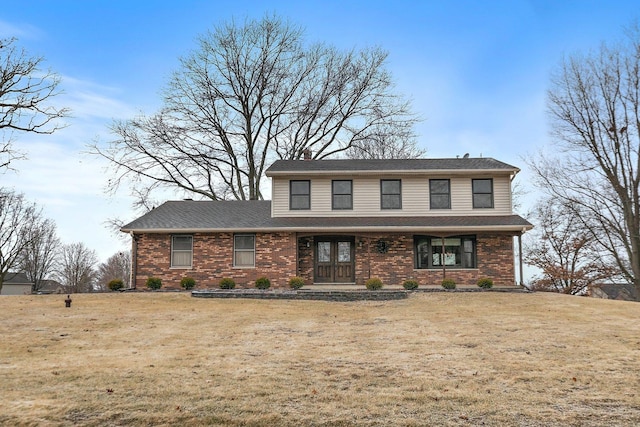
(213, 260)
(494, 259)
(276, 259)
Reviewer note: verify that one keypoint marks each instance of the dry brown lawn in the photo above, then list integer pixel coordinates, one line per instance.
(445, 359)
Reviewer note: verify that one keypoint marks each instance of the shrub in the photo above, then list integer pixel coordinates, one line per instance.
(263, 283)
(485, 283)
(154, 283)
(227, 283)
(373, 284)
(116, 284)
(410, 285)
(448, 283)
(188, 283)
(296, 282)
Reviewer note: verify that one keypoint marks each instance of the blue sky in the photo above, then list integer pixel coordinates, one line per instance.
(477, 72)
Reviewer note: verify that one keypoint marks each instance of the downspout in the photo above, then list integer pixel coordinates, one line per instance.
(134, 260)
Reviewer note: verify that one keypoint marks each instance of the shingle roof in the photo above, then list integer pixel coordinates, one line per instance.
(619, 291)
(388, 165)
(17, 279)
(255, 215)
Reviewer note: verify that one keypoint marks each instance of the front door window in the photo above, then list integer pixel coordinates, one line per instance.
(344, 251)
(324, 252)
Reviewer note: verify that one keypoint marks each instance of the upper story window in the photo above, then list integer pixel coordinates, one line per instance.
(390, 194)
(341, 194)
(299, 195)
(244, 250)
(482, 193)
(181, 251)
(452, 252)
(440, 194)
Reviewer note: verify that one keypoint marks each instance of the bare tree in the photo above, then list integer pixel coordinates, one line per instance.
(25, 90)
(17, 217)
(39, 257)
(77, 268)
(117, 266)
(391, 148)
(250, 94)
(594, 103)
(562, 249)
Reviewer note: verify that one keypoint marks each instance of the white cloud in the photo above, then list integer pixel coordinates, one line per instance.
(90, 100)
(21, 31)
(65, 181)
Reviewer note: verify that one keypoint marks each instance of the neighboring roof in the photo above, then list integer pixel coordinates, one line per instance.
(618, 291)
(50, 285)
(255, 215)
(378, 166)
(16, 279)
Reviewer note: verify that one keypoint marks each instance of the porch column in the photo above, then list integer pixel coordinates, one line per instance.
(520, 258)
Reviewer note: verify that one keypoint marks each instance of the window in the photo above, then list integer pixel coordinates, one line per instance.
(244, 250)
(181, 251)
(390, 194)
(453, 252)
(299, 195)
(482, 193)
(342, 194)
(440, 194)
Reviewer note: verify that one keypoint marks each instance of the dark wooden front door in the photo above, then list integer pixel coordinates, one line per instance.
(334, 260)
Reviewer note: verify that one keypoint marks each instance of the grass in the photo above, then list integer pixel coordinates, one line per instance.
(444, 359)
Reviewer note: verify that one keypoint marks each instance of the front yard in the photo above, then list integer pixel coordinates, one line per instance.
(444, 359)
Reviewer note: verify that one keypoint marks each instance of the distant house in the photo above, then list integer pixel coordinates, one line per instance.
(616, 291)
(51, 287)
(342, 222)
(16, 284)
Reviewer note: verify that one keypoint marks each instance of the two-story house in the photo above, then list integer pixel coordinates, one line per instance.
(342, 222)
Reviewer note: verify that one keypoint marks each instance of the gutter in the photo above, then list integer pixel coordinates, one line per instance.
(456, 229)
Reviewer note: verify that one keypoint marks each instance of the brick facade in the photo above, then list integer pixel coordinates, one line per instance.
(213, 260)
(276, 258)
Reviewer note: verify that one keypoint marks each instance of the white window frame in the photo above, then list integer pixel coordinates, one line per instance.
(244, 250)
(181, 251)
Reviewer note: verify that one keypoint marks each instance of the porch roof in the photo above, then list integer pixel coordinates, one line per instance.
(255, 216)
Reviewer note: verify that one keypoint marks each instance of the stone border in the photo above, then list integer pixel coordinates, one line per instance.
(333, 295)
(304, 294)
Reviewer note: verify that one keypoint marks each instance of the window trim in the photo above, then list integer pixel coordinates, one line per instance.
(417, 239)
(448, 193)
(173, 251)
(333, 195)
(382, 194)
(307, 195)
(474, 193)
(236, 250)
